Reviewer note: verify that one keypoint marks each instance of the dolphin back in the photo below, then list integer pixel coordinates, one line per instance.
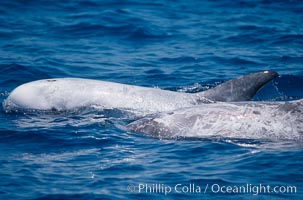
(242, 88)
(247, 120)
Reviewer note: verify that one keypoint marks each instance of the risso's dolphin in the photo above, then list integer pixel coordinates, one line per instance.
(70, 93)
(249, 120)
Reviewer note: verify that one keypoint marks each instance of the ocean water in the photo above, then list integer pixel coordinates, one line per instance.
(184, 46)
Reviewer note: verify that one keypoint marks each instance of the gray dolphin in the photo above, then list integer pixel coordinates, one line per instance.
(250, 120)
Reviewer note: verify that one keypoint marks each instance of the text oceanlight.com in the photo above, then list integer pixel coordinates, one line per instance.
(193, 188)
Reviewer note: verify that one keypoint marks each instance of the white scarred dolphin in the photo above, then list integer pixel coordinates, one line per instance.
(249, 120)
(70, 93)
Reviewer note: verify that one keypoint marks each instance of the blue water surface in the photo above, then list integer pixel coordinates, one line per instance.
(185, 46)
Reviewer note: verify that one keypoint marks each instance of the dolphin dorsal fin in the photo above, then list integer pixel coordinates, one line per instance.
(242, 88)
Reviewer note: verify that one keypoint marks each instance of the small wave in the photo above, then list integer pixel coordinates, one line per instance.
(14, 74)
(154, 71)
(287, 39)
(181, 59)
(142, 33)
(234, 60)
(6, 34)
(291, 59)
(74, 196)
(84, 30)
(283, 88)
(244, 39)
